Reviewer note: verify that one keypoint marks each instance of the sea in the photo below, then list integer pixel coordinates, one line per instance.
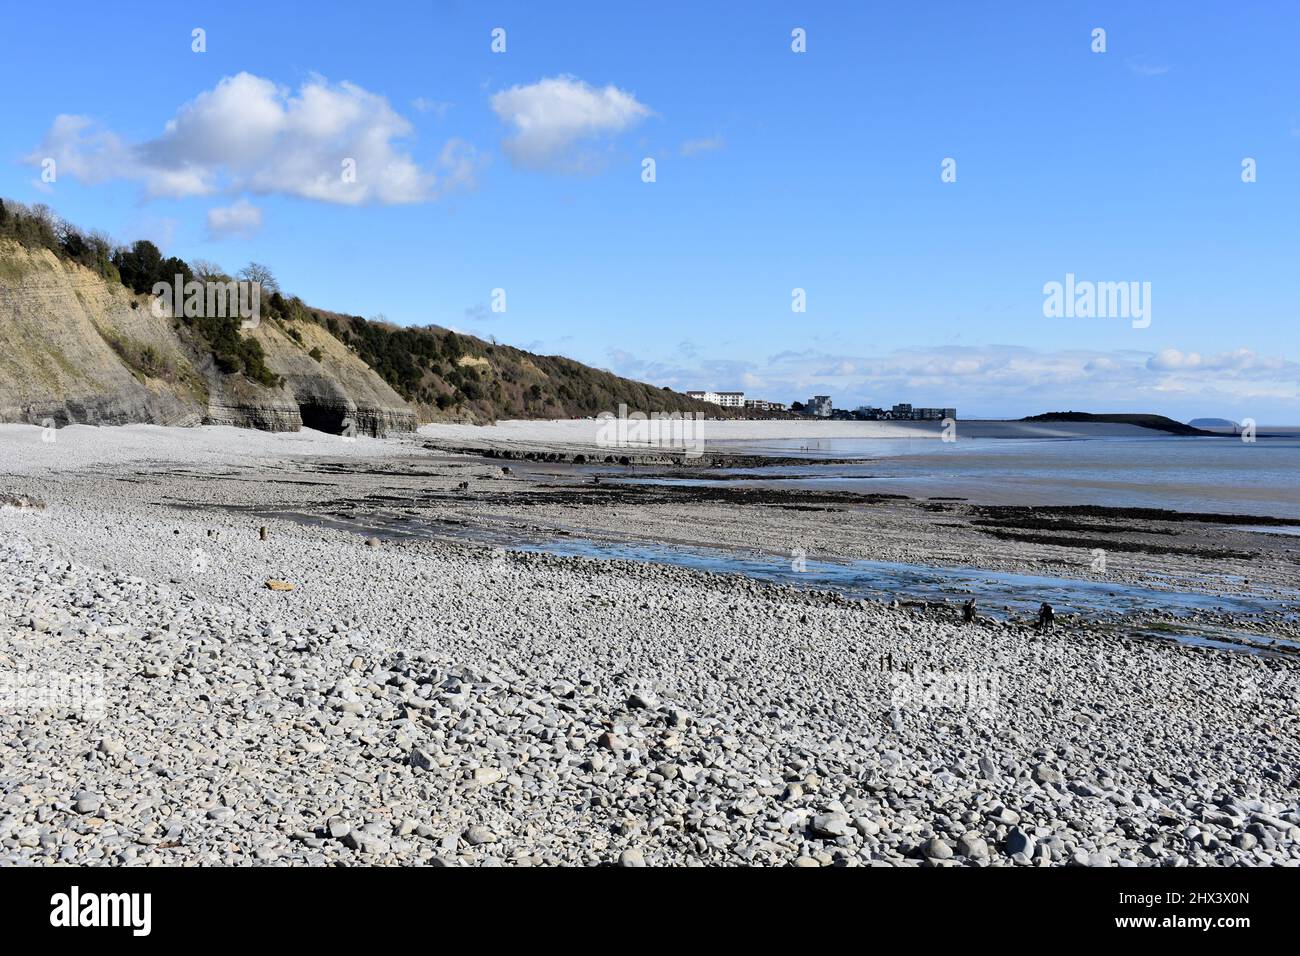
(1199, 474)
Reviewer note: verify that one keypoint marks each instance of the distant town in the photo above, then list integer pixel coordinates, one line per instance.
(820, 406)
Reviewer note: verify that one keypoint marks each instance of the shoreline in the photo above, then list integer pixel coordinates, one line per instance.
(320, 476)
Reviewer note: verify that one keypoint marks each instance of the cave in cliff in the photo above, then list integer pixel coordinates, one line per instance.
(323, 418)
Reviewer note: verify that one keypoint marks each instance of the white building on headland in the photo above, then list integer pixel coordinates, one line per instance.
(725, 399)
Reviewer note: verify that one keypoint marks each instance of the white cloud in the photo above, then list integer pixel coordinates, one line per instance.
(83, 151)
(249, 134)
(1240, 361)
(242, 220)
(551, 116)
(1169, 359)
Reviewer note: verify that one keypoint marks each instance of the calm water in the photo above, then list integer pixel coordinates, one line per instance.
(1000, 594)
(1222, 475)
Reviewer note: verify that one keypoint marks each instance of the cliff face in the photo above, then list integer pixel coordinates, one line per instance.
(76, 348)
(64, 332)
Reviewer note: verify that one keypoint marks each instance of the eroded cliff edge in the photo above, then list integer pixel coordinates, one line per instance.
(77, 348)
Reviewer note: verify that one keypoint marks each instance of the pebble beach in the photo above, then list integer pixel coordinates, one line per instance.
(406, 700)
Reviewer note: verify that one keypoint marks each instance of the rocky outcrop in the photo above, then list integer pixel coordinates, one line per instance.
(336, 392)
(77, 348)
(233, 400)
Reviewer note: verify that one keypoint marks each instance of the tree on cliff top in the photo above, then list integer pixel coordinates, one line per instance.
(256, 272)
(142, 267)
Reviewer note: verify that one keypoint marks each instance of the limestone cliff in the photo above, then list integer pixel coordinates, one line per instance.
(335, 389)
(67, 343)
(77, 348)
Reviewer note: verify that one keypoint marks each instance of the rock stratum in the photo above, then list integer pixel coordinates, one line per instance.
(75, 348)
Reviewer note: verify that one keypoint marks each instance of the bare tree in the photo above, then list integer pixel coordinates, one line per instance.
(102, 243)
(45, 214)
(207, 271)
(256, 272)
(16, 208)
(69, 235)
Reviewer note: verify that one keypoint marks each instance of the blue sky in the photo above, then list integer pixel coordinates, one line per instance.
(775, 170)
